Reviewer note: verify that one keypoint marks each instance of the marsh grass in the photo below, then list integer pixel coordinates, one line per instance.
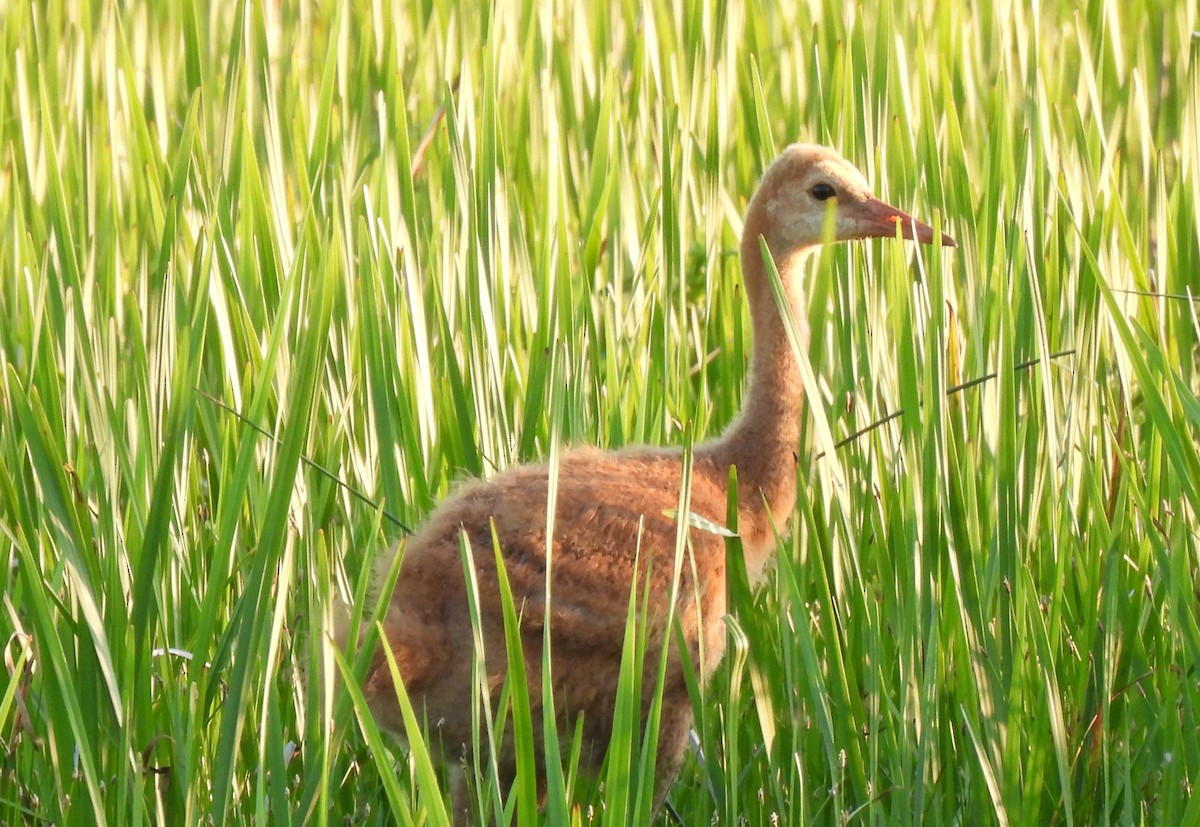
(986, 610)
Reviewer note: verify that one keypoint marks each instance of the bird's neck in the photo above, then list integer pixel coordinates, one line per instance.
(762, 442)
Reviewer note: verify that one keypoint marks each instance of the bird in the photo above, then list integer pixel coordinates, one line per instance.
(616, 520)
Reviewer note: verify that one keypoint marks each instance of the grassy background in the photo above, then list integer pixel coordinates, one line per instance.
(987, 610)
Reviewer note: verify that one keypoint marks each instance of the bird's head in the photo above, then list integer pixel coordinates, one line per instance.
(801, 188)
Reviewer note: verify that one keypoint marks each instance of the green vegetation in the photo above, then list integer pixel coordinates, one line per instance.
(418, 243)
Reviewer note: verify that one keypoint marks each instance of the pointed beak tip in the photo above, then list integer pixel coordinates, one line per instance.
(883, 218)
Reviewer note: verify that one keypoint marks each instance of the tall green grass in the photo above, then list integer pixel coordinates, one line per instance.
(418, 242)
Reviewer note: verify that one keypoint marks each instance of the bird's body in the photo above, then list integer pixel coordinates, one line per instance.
(617, 518)
(601, 496)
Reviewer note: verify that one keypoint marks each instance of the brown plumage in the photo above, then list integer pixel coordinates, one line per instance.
(614, 506)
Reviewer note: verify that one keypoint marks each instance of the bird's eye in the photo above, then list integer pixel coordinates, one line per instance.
(823, 191)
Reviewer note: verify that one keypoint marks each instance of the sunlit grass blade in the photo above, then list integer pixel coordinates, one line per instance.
(398, 801)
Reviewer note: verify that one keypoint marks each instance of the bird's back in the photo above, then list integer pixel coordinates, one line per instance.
(616, 516)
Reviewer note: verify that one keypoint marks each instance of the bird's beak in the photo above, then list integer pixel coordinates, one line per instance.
(875, 219)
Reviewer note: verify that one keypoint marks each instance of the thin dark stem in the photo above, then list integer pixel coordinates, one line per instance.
(949, 392)
(418, 158)
(350, 489)
(672, 813)
(1187, 297)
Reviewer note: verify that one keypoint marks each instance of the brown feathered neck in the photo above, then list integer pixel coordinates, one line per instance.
(762, 441)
